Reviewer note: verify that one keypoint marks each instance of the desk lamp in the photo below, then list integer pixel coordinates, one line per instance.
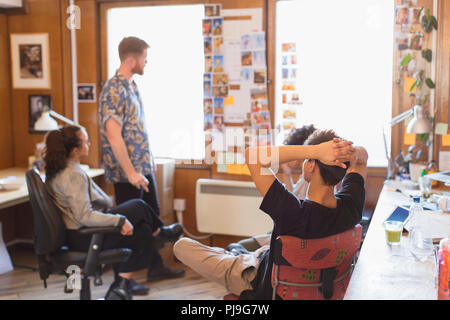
(47, 123)
(418, 125)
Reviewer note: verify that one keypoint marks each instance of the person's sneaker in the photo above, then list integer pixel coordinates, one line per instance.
(119, 290)
(164, 272)
(138, 289)
(237, 249)
(168, 234)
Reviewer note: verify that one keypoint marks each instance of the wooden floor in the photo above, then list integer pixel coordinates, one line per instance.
(24, 284)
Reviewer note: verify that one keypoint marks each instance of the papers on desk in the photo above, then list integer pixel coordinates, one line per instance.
(5, 259)
(12, 183)
(437, 223)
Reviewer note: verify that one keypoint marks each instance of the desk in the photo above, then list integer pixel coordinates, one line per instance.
(382, 273)
(13, 197)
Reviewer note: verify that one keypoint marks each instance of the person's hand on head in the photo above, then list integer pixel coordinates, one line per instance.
(336, 152)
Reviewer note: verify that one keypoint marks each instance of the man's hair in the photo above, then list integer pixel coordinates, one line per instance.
(298, 136)
(131, 46)
(331, 175)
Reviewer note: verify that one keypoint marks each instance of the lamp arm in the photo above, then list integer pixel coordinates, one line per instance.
(62, 118)
(401, 117)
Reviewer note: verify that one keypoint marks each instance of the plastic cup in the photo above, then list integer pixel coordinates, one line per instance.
(394, 231)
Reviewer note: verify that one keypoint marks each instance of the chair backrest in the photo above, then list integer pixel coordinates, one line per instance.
(49, 228)
(314, 268)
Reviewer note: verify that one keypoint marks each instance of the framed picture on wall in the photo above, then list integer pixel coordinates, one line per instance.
(38, 107)
(86, 92)
(30, 59)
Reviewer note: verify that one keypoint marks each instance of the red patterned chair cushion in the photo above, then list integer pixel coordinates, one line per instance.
(299, 264)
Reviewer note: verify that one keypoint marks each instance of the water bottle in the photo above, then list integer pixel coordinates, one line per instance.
(444, 270)
(421, 244)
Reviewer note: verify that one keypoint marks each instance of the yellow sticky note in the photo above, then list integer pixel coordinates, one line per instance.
(441, 128)
(410, 138)
(233, 169)
(446, 140)
(408, 84)
(228, 101)
(244, 169)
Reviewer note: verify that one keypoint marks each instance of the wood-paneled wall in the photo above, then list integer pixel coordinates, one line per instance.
(6, 137)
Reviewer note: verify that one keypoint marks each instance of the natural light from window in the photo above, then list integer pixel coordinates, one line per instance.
(172, 85)
(344, 77)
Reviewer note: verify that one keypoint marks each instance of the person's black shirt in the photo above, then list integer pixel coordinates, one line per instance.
(307, 220)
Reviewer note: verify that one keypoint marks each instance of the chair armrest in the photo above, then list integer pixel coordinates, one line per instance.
(94, 230)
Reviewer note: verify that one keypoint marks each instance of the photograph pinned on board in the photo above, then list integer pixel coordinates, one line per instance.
(289, 114)
(284, 60)
(207, 27)
(208, 64)
(86, 92)
(288, 47)
(218, 45)
(284, 98)
(259, 105)
(258, 41)
(207, 91)
(247, 74)
(219, 122)
(220, 91)
(402, 14)
(220, 79)
(259, 58)
(207, 45)
(259, 76)
(217, 26)
(207, 106)
(284, 73)
(258, 93)
(246, 42)
(218, 63)
(402, 41)
(208, 123)
(293, 73)
(415, 41)
(207, 77)
(293, 59)
(218, 105)
(213, 10)
(414, 16)
(288, 125)
(295, 98)
(38, 108)
(246, 58)
(288, 86)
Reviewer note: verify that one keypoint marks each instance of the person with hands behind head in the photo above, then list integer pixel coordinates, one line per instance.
(84, 204)
(127, 158)
(322, 213)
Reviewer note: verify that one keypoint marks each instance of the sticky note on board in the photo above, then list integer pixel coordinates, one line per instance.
(446, 140)
(409, 138)
(228, 101)
(408, 84)
(222, 168)
(441, 128)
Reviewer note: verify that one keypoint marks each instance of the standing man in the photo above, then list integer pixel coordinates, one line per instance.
(127, 158)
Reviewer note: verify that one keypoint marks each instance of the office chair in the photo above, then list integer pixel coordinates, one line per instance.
(314, 268)
(49, 233)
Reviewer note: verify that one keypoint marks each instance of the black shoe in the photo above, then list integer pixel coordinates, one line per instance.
(237, 249)
(164, 272)
(120, 289)
(138, 289)
(168, 234)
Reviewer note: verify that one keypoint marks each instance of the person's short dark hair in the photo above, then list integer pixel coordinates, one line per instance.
(131, 46)
(298, 136)
(331, 175)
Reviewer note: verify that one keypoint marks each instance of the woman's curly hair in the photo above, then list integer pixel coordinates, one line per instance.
(59, 144)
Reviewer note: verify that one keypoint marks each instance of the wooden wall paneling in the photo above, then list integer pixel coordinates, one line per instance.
(44, 16)
(442, 71)
(6, 137)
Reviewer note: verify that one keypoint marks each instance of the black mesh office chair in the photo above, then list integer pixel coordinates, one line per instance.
(49, 233)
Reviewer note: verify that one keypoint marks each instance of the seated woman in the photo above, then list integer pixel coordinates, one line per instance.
(84, 204)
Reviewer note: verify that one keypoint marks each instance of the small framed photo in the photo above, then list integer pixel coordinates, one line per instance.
(86, 92)
(30, 60)
(38, 106)
(213, 10)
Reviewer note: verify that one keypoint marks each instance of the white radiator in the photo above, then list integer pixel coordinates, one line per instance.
(230, 207)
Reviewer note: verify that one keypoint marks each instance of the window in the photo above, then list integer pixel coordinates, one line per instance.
(172, 85)
(344, 67)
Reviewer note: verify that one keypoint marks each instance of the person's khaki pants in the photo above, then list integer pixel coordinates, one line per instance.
(218, 264)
